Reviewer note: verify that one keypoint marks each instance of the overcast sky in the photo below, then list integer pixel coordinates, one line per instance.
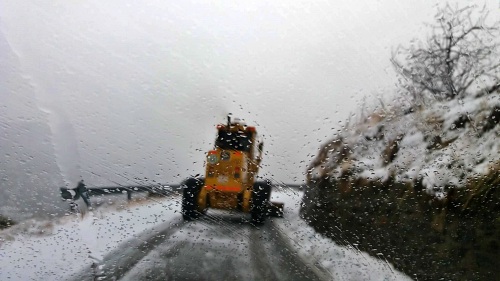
(135, 88)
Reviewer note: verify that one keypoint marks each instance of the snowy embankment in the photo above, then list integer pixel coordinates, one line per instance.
(53, 250)
(440, 146)
(418, 184)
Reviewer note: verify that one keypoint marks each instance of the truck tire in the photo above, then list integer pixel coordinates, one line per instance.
(260, 199)
(190, 191)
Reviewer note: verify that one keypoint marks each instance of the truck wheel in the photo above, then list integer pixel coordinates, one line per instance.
(260, 199)
(191, 189)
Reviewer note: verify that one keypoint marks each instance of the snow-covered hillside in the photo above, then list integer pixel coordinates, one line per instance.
(440, 146)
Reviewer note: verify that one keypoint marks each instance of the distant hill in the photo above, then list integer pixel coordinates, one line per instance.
(29, 174)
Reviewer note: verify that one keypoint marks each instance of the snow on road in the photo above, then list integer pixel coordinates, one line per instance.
(342, 263)
(53, 250)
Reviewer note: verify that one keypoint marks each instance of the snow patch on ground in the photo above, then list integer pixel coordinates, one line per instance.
(53, 250)
(342, 263)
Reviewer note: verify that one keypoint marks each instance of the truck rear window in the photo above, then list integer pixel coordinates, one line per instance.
(235, 141)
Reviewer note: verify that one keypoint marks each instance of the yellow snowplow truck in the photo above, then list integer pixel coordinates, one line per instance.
(230, 177)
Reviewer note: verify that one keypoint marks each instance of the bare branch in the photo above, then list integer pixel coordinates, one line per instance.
(460, 51)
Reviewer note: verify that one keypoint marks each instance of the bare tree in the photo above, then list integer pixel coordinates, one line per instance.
(461, 51)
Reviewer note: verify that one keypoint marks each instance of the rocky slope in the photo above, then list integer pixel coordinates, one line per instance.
(417, 186)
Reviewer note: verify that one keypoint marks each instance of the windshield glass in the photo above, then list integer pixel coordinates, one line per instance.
(377, 156)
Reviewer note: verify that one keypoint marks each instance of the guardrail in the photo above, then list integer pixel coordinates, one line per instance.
(84, 192)
(81, 191)
(152, 189)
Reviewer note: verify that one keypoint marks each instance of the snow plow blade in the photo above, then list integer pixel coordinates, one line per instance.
(275, 209)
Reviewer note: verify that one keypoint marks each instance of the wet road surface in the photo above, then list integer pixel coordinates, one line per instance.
(219, 246)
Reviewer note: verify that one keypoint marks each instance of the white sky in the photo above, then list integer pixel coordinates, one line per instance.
(135, 88)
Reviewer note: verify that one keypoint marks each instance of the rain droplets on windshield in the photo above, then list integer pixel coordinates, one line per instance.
(130, 148)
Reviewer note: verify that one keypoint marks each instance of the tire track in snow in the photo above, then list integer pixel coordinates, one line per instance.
(119, 261)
